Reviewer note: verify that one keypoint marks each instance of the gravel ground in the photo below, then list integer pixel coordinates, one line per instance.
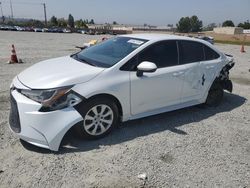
(192, 147)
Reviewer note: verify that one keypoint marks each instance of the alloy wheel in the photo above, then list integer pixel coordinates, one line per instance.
(98, 119)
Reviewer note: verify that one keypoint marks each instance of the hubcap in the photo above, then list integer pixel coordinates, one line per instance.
(98, 120)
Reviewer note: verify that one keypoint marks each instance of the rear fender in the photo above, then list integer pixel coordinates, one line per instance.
(223, 78)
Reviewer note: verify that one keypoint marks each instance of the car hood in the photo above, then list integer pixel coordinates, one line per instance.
(58, 72)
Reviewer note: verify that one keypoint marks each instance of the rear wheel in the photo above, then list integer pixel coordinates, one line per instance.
(100, 116)
(215, 94)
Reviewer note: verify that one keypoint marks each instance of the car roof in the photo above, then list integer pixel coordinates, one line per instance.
(159, 37)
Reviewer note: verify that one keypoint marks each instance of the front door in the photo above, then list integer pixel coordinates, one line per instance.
(159, 89)
(156, 90)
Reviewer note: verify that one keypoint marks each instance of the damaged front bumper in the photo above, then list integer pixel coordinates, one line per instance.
(43, 129)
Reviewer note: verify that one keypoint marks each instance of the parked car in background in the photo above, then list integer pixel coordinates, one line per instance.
(29, 29)
(57, 30)
(3, 28)
(119, 79)
(18, 28)
(38, 29)
(11, 28)
(45, 30)
(91, 32)
(67, 30)
(206, 38)
(82, 31)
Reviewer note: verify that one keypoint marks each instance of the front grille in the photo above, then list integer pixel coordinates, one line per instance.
(14, 116)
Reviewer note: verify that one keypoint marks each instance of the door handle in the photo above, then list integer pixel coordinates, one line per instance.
(210, 67)
(176, 74)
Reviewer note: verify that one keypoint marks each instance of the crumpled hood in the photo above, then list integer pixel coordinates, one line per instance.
(58, 72)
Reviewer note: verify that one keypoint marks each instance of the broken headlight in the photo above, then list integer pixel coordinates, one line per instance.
(53, 99)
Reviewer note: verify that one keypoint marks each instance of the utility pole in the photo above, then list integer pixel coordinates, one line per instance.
(1, 8)
(11, 9)
(2, 12)
(45, 15)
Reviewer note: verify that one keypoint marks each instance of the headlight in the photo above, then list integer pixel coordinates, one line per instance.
(53, 99)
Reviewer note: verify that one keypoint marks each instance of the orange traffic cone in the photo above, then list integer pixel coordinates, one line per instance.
(242, 50)
(13, 57)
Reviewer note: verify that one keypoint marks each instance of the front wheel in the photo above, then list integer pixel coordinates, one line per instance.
(100, 116)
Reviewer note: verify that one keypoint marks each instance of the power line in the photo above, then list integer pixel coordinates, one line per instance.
(27, 3)
(11, 8)
(1, 9)
(3, 18)
(23, 3)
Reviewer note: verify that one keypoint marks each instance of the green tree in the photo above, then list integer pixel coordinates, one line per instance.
(62, 22)
(189, 24)
(10, 22)
(228, 23)
(92, 21)
(86, 21)
(3, 19)
(80, 24)
(184, 25)
(115, 23)
(210, 27)
(37, 23)
(71, 22)
(196, 24)
(245, 25)
(53, 21)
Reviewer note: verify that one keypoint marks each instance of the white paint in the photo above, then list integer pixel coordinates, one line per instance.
(164, 90)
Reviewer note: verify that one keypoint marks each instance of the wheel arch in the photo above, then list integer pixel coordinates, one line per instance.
(78, 107)
(105, 96)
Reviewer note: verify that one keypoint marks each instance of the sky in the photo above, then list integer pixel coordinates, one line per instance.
(137, 12)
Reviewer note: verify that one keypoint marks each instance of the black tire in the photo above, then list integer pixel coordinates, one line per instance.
(86, 110)
(215, 95)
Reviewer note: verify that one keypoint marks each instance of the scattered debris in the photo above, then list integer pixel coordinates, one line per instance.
(167, 158)
(20, 61)
(142, 176)
(86, 45)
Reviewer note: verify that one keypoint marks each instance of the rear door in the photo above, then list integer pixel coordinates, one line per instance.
(191, 54)
(209, 66)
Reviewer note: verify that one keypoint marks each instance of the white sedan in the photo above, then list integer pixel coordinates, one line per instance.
(120, 79)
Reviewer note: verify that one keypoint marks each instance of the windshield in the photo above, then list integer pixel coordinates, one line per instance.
(109, 52)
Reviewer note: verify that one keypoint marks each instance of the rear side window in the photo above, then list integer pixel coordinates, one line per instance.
(190, 52)
(163, 54)
(210, 54)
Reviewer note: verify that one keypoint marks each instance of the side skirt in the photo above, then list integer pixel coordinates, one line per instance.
(166, 109)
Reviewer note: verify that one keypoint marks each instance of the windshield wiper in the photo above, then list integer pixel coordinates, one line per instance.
(83, 60)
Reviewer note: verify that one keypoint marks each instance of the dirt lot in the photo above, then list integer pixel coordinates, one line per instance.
(193, 147)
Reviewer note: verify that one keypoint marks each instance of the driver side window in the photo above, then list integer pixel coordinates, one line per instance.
(163, 54)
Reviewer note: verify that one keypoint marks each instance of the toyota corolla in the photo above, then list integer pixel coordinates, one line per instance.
(123, 78)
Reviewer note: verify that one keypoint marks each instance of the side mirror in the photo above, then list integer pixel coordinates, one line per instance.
(145, 66)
